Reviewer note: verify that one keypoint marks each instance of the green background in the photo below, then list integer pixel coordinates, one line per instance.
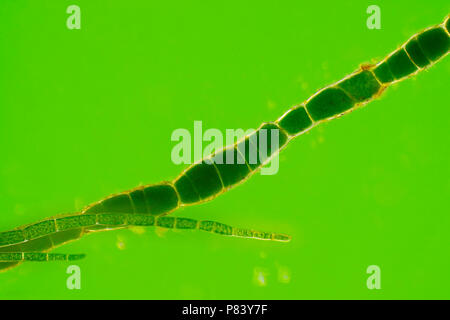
(86, 113)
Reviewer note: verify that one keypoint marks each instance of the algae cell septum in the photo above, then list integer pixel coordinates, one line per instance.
(203, 181)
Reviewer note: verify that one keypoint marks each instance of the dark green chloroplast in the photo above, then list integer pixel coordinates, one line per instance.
(328, 103)
(267, 135)
(61, 237)
(111, 219)
(155, 199)
(139, 201)
(140, 220)
(415, 52)
(186, 223)
(40, 228)
(231, 166)
(400, 64)
(10, 237)
(205, 180)
(166, 222)
(83, 220)
(160, 198)
(361, 86)
(434, 42)
(117, 204)
(295, 121)
(186, 189)
(249, 149)
(384, 73)
(259, 146)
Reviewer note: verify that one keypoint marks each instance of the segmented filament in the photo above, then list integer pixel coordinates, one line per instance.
(38, 257)
(98, 222)
(206, 179)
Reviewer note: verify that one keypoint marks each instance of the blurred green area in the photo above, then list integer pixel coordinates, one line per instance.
(86, 113)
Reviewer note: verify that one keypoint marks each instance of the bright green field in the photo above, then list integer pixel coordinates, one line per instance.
(86, 113)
